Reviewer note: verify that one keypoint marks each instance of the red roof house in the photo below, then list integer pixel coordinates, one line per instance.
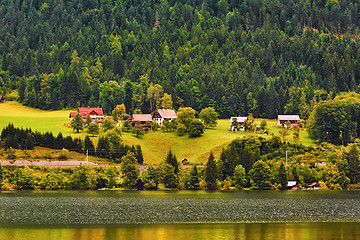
(95, 113)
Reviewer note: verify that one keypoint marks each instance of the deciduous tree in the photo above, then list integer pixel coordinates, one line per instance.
(196, 128)
(209, 117)
(130, 171)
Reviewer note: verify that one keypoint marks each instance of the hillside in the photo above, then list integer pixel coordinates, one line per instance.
(154, 144)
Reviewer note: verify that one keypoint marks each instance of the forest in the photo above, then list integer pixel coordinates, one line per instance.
(263, 57)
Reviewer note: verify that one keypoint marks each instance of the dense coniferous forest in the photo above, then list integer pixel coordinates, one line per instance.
(239, 56)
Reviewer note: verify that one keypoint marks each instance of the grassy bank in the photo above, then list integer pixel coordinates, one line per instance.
(154, 144)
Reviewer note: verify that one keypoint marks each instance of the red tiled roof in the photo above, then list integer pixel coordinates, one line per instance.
(84, 111)
(141, 117)
(72, 114)
(167, 113)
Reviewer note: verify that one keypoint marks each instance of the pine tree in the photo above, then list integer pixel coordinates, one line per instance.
(139, 155)
(29, 142)
(77, 122)
(211, 173)
(93, 128)
(354, 164)
(282, 177)
(102, 149)
(1, 175)
(171, 160)
(88, 145)
(169, 176)
(194, 179)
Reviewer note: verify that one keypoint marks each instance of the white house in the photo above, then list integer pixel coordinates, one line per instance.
(240, 121)
(164, 114)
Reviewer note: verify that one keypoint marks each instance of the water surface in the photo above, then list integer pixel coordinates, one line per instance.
(180, 215)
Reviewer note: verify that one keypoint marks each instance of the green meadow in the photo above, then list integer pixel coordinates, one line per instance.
(154, 144)
(43, 121)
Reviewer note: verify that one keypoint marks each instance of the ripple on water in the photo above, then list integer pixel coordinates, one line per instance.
(71, 209)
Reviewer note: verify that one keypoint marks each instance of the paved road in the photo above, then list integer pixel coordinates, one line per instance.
(70, 163)
(46, 163)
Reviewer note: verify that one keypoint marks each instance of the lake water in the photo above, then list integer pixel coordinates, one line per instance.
(179, 215)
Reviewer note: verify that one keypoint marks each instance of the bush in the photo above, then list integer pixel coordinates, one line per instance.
(181, 129)
(196, 128)
(11, 154)
(64, 154)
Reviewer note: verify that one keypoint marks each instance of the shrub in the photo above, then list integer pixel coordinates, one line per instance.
(64, 154)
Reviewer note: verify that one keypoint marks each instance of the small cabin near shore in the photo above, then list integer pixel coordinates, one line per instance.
(284, 120)
(314, 186)
(292, 185)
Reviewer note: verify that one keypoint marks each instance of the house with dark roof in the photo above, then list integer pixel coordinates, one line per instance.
(96, 114)
(283, 120)
(164, 114)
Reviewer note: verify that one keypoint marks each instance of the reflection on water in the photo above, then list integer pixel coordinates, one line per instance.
(264, 231)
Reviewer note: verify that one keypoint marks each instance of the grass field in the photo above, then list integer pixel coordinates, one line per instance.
(43, 121)
(154, 144)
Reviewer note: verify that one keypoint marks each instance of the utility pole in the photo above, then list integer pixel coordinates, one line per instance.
(87, 155)
(286, 157)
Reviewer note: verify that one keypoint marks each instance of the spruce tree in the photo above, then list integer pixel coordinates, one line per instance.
(282, 177)
(102, 149)
(88, 145)
(77, 122)
(194, 179)
(139, 155)
(1, 175)
(171, 160)
(29, 142)
(169, 176)
(211, 173)
(354, 164)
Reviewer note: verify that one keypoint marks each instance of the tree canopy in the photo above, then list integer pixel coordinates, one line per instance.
(239, 57)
